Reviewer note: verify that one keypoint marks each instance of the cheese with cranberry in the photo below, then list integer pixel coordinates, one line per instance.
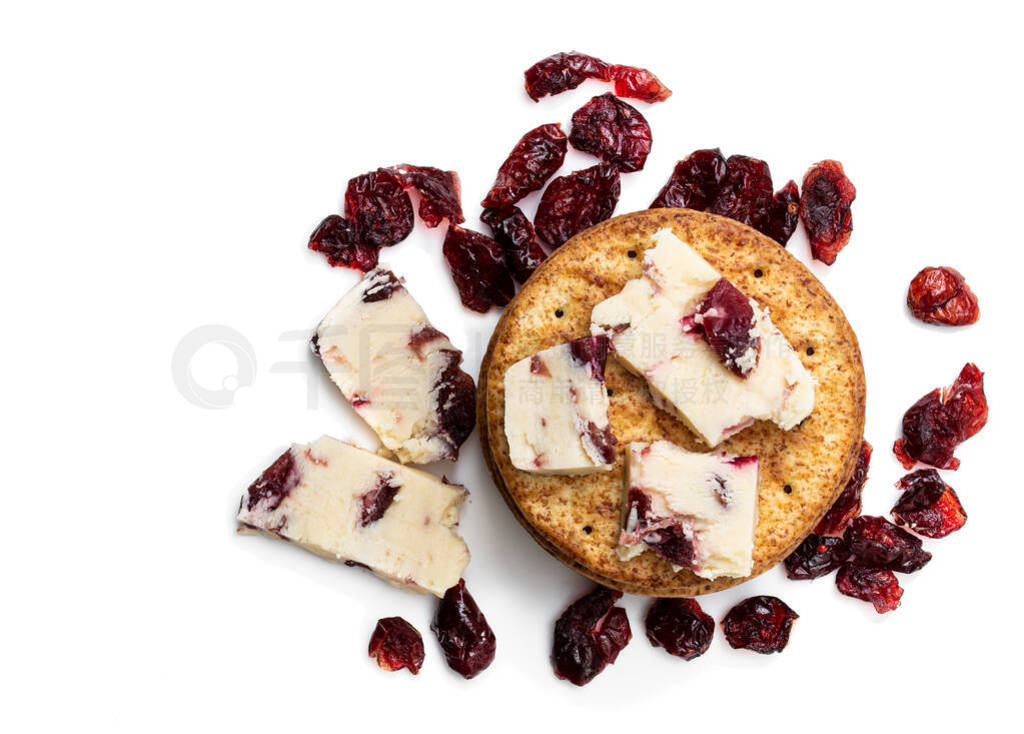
(399, 373)
(710, 356)
(347, 504)
(556, 410)
(697, 511)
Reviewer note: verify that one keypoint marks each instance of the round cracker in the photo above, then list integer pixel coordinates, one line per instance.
(802, 471)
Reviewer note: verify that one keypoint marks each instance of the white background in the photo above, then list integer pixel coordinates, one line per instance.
(162, 167)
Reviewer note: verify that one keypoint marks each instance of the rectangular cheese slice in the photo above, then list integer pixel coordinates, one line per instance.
(651, 326)
(556, 410)
(399, 373)
(347, 504)
(698, 511)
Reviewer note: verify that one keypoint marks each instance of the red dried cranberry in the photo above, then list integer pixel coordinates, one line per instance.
(379, 207)
(877, 543)
(513, 231)
(467, 640)
(591, 351)
(760, 623)
(589, 636)
(421, 335)
(928, 505)
(942, 419)
(694, 182)
(563, 71)
(275, 483)
(847, 505)
(375, 503)
(665, 536)
(439, 192)
(534, 160)
(456, 403)
(817, 556)
(727, 319)
(636, 83)
(478, 267)
(746, 192)
(613, 130)
(825, 209)
(380, 286)
(876, 585)
(783, 214)
(680, 626)
(396, 644)
(940, 296)
(336, 238)
(573, 203)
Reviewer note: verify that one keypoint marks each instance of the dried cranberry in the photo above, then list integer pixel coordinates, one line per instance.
(513, 231)
(379, 207)
(336, 238)
(534, 160)
(680, 626)
(940, 296)
(589, 636)
(478, 267)
(825, 209)
(694, 182)
(928, 505)
(877, 543)
(783, 214)
(942, 419)
(746, 192)
(817, 556)
(466, 639)
(456, 403)
(760, 623)
(876, 585)
(563, 71)
(636, 83)
(373, 504)
(573, 203)
(380, 286)
(668, 537)
(727, 320)
(275, 483)
(439, 192)
(396, 644)
(591, 351)
(613, 130)
(847, 505)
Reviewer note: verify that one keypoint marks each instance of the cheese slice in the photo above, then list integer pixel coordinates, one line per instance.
(399, 373)
(650, 323)
(347, 504)
(698, 511)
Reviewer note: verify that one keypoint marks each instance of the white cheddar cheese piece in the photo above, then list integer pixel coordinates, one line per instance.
(697, 511)
(347, 504)
(399, 373)
(556, 410)
(651, 326)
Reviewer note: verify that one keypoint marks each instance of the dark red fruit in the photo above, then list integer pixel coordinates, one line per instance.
(783, 214)
(574, 202)
(376, 203)
(680, 626)
(760, 623)
(940, 296)
(876, 585)
(694, 182)
(877, 543)
(726, 319)
(563, 71)
(613, 130)
(478, 267)
(396, 644)
(381, 286)
(746, 192)
(455, 403)
(848, 504)
(825, 209)
(668, 537)
(589, 636)
(513, 231)
(336, 238)
(534, 160)
(467, 640)
(928, 505)
(591, 351)
(439, 192)
(818, 555)
(942, 419)
(274, 484)
(376, 502)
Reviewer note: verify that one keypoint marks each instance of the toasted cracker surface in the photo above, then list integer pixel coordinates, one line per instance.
(577, 519)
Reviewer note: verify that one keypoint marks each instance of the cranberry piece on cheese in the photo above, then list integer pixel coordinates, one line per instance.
(589, 636)
(396, 644)
(465, 637)
(726, 320)
(761, 624)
